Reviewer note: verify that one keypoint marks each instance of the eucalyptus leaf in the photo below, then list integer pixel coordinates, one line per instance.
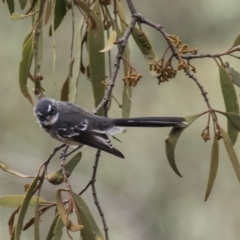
(235, 75)
(110, 42)
(90, 230)
(233, 118)
(230, 100)
(25, 64)
(11, 6)
(213, 166)
(231, 153)
(171, 141)
(97, 59)
(236, 41)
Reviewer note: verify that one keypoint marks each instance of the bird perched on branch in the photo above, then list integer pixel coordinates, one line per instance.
(72, 125)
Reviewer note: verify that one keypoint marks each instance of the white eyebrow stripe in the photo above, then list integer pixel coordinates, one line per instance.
(38, 113)
(49, 107)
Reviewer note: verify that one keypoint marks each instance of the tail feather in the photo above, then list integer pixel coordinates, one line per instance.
(150, 122)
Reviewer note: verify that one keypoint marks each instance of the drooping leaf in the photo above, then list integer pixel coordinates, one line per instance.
(6, 168)
(11, 6)
(63, 214)
(231, 153)
(52, 227)
(58, 229)
(236, 42)
(48, 12)
(171, 141)
(145, 47)
(97, 59)
(57, 177)
(25, 65)
(233, 118)
(94, 16)
(213, 166)
(23, 3)
(13, 201)
(18, 16)
(11, 222)
(59, 13)
(230, 100)
(77, 49)
(65, 90)
(235, 75)
(90, 230)
(24, 206)
(127, 90)
(110, 42)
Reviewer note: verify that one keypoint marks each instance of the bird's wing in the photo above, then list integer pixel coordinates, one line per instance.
(88, 133)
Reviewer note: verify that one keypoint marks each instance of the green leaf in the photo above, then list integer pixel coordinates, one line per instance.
(236, 42)
(65, 90)
(97, 59)
(23, 3)
(230, 100)
(90, 230)
(25, 204)
(52, 227)
(25, 65)
(6, 168)
(18, 16)
(127, 90)
(145, 47)
(59, 13)
(13, 201)
(213, 166)
(233, 118)
(231, 153)
(171, 141)
(235, 75)
(57, 177)
(58, 229)
(11, 6)
(77, 49)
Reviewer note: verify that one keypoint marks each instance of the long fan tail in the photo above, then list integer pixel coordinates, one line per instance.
(150, 122)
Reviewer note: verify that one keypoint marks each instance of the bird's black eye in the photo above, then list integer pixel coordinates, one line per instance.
(53, 111)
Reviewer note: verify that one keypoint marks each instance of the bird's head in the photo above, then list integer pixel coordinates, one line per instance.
(46, 111)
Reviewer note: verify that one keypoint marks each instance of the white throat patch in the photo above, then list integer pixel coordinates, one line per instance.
(52, 120)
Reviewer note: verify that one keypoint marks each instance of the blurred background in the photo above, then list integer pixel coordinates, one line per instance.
(142, 198)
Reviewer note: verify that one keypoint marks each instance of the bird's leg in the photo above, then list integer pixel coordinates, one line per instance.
(64, 154)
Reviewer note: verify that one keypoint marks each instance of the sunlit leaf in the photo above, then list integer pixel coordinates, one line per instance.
(57, 177)
(97, 59)
(231, 153)
(63, 214)
(145, 47)
(59, 13)
(13, 201)
(171, 141)
(6, 168)
(235, 75)
(236, 42)
(25, 65)
(230, 100)
(90, 230)
(213, 166)
(110, 41)
(23, 3)
(11, 6)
